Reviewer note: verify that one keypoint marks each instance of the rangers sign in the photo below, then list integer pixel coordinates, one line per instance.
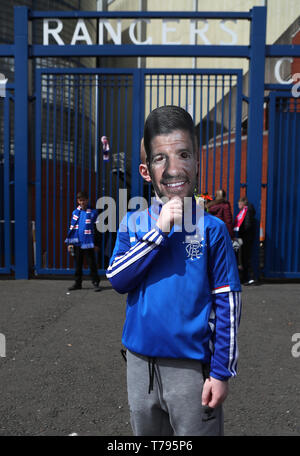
(52, 28)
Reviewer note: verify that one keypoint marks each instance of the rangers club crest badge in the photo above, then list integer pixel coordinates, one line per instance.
(194, 247)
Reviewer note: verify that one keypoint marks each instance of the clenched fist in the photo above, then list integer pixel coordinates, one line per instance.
(171, 213)
(214, 392)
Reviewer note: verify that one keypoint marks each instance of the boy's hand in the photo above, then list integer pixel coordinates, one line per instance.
(171, 213)
(214, 392)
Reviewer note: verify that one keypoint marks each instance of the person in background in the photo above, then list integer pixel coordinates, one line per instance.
(244, 230)
(80, 240)
(221, 208)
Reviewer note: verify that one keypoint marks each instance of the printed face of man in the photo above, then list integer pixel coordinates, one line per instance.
(173, 165)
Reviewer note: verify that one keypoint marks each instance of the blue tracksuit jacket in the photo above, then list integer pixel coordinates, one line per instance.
(183, 290)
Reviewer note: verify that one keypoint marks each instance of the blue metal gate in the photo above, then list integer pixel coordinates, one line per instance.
(76, 108)
(67, 132)
(6, 181)
(214, 100)
(283, 204)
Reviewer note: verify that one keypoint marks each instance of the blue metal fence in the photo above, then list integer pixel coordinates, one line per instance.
(283, 205)
(67, 133)
(6, 182)
(74, 110)
(214, 100)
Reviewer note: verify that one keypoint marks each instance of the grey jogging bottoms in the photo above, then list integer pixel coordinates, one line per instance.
(164, 398)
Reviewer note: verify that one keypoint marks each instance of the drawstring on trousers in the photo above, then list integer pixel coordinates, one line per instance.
(151, 368)
(123, 353)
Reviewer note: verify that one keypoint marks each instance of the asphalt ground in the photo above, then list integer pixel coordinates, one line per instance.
(63, 372)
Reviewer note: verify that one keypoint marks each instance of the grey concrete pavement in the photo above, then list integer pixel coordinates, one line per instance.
(63, 372)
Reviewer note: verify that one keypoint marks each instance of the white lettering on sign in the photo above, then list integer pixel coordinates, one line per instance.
(52, 28)
(116, 36)
(201, 32)
(296, 86)
(81, 33)
(54, 32)
(166, 30)
(132, 35)
(277, 71)
(231, 33)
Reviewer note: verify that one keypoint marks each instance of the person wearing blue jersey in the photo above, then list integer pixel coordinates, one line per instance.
(81, 240)
(177, 264)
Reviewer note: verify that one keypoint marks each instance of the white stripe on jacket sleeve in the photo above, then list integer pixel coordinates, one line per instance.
(221, 289)
(224, 323)
(235, 313)
(149, 241)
